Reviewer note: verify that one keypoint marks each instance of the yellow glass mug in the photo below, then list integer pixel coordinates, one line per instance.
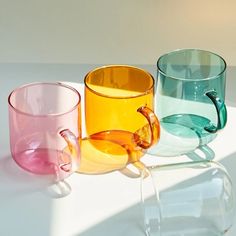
(119, 110)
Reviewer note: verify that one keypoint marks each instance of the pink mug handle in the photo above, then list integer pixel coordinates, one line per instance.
(73, 146)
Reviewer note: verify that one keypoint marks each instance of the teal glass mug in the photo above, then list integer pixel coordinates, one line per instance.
(190, 97)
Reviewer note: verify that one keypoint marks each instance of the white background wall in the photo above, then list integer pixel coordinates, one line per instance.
(113, 31)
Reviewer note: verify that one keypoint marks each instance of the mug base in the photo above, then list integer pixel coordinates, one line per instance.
(42, 161)
(182, 134)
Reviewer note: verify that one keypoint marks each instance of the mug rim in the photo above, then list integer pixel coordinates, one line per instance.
(119, 66)
(191, 49)
(44, 83)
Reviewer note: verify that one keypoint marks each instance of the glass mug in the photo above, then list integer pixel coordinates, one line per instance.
(189, 100)
(118, 109)
(44, 118)
(190, 199)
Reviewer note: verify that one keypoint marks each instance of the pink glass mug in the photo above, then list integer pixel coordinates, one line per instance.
(44, 118)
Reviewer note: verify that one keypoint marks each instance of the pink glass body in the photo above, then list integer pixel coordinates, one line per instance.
(44, 119)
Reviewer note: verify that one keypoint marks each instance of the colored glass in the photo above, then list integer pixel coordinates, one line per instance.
(44, 118)
(189, 97)
(118, 108)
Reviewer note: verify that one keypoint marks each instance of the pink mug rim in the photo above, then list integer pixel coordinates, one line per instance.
(44, 83)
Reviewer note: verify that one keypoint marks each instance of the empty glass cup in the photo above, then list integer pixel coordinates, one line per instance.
(119, 109)
(187, 199)
(44, 119)
(189, 100)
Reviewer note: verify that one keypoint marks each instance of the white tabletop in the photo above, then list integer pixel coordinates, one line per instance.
(106, 204)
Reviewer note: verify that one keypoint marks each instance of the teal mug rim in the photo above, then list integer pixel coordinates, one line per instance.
(191, 49)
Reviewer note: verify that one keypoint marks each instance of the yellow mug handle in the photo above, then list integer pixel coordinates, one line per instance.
(142, 134)
(144, 138)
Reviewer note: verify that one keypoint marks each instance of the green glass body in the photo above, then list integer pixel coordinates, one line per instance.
(189, 99)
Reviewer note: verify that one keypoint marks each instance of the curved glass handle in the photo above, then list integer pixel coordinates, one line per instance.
(151, 132)
(221, 112)
(74, 148)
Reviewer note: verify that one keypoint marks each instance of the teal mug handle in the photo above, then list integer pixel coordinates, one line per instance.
(221, 112)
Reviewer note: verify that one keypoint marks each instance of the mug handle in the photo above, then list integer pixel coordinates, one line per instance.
(139, 136)
(221, 112)
(154, 126)
(74, 148)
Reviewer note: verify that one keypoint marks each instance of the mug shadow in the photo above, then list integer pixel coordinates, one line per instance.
(185, 141)
(127, 222)
(102, 156)
(130, 221)
(16, 182)
(203, 152)
(23, 210)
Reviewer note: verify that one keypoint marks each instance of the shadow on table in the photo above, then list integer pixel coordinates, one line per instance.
(22, 211)
(130, 221)
(229, 162)
(14, 181)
